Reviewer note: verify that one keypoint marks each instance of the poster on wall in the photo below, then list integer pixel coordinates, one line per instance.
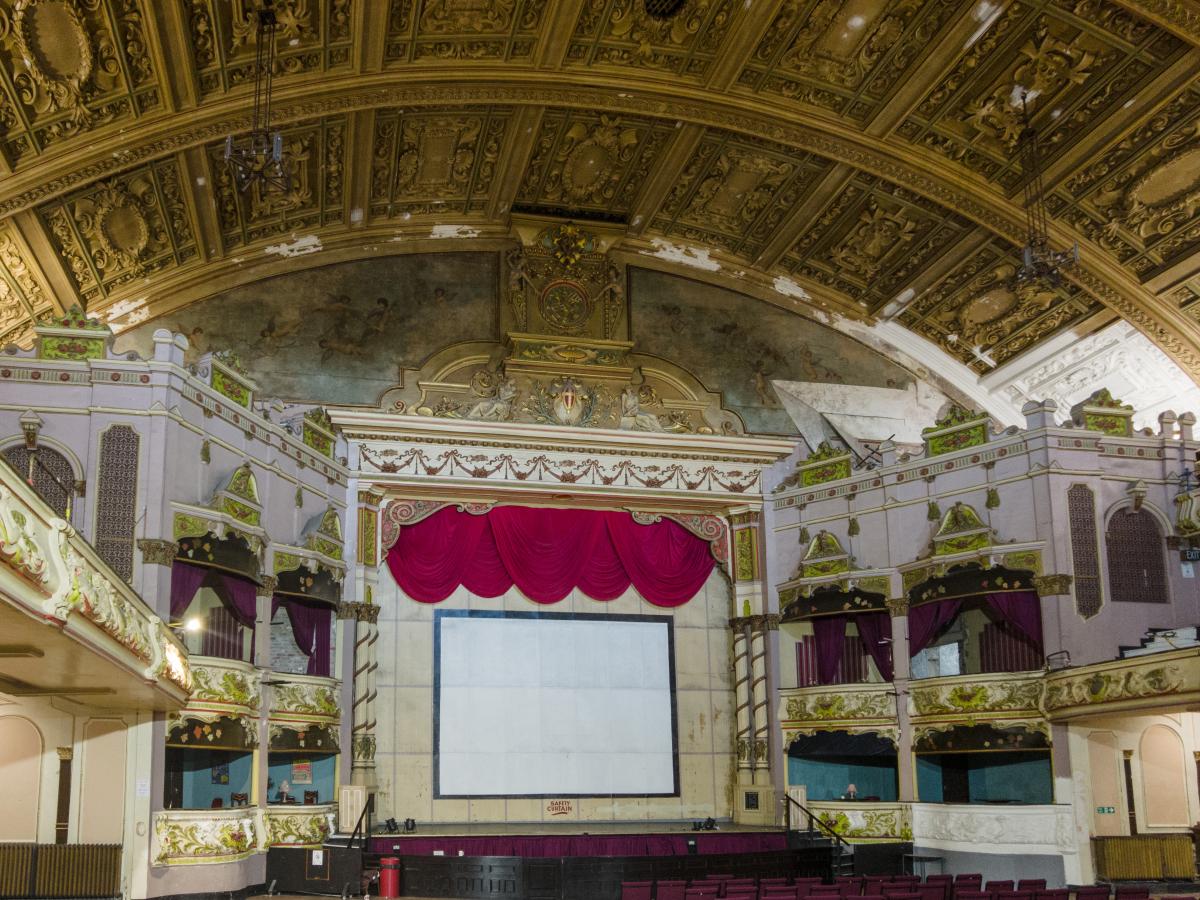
(301, 770)
(220, 774)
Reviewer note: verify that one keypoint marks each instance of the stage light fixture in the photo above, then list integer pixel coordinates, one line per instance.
(710, 823)
(392, 826)
(410, 825)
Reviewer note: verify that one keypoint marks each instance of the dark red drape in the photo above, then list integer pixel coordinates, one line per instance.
(926, 622)
(548, 552)
(875, 632)
(541, 846)
(829, 632)
(311, 624)
(185, 581)
(1023, 611)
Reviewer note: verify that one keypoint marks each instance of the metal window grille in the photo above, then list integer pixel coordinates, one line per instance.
(1137, 572)
(116, 498)
(50, 465)
(1085, 554)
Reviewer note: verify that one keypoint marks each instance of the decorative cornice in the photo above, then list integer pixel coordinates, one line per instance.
(156, 552)
(1053, 585)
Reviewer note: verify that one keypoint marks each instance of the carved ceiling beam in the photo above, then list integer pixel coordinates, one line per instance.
(1116, 123)
(665, 175)
(173, 54)
(803, 216)
(514, 161)
(555, 36)
(970, 243)
(50, 269)
(936, 61)
(1181, 17)
(1174, 276)
(920, 170)
(196, 172)
(359, 153)
(370, 28)
(747, 31)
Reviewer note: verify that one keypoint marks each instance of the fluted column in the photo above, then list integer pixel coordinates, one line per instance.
(751, 648)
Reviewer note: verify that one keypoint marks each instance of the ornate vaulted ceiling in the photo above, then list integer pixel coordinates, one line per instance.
(860, 153)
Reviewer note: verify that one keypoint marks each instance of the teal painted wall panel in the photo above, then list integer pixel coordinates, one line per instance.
(828, 779)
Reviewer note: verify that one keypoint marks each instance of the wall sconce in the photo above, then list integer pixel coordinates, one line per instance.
(31, 424)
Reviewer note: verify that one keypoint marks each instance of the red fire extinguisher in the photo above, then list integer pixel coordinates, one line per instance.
(389, 876)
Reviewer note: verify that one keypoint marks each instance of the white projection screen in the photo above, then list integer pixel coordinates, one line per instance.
(554, 705)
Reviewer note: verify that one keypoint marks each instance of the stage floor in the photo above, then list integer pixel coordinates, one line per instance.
(502, 829)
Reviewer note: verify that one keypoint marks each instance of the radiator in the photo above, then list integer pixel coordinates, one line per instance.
(60, 870)
(1151, 857)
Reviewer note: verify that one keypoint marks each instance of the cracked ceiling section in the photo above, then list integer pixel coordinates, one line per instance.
(859, 152)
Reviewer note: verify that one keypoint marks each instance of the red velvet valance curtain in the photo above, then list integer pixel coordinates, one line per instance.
(548, 552)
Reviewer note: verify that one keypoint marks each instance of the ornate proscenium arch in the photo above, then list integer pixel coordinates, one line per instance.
(737, 142)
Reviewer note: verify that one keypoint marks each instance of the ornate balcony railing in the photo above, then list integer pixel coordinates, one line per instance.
(50, 572)
(857, 708)
(297, 826)
(304, 713)
(1124, 685)
(1042, 829)
(974, 698)
(862, 822)
(184, 837)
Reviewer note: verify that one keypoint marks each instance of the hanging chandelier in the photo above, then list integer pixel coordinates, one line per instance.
(1040, 266)
(257, 159)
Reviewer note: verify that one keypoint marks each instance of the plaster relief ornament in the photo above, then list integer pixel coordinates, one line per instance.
(632, 417)
(877, 234)
(52, 41)
(566, 401)
(497, 408)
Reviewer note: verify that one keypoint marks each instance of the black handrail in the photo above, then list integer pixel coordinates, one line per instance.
(813, 818)
(359, 825)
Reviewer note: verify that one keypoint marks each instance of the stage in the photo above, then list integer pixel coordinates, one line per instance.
(540, 840)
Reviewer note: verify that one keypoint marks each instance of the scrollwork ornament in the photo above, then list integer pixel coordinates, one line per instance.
(52, 39)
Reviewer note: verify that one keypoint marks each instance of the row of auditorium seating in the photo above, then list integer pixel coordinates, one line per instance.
(872, 887)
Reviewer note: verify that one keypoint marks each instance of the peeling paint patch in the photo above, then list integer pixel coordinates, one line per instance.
(301, 246)
(125, 307)
(453, 231)
(789, 288)
(696, 257)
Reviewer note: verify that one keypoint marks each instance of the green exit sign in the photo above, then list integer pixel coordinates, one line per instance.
(1106, 810)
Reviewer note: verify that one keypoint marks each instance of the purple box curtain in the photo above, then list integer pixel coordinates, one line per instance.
(851, 670)
(1020, 610)
(1003, 649)
(830, 643)
(312, 629)
(239, 609)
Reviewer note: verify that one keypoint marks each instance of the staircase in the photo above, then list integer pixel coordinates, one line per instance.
(1162, 640)
(805, 830)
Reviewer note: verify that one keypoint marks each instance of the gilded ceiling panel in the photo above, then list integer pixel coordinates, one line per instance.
(69, 66)
(315, 152)
(435, 161)
(313, 36)
(843, 56)
(1140, 200)
(590, 163)
(735, 192)
(462, 29)
(621, 33)
(1076, 60)
(872, 239)
(21, 296)
(976, 315)
(126, 228)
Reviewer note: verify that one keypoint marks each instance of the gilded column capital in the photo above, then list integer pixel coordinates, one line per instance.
(267, 588)
(348, 610)
(66, 754)
(156, 552)
(1052, 585)
(739, 622)
(898, 606)
(367, 612)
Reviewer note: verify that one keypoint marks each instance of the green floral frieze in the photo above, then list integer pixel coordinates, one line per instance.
(876, 824)
(842, 706)
(70, 348)
(296, 829)
(827, 463)
(974, 698)
(1114, 686)
(181, 838)
(241, 511)
(306, 700)
(230, 387)
(216, 686)
(958, 430)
